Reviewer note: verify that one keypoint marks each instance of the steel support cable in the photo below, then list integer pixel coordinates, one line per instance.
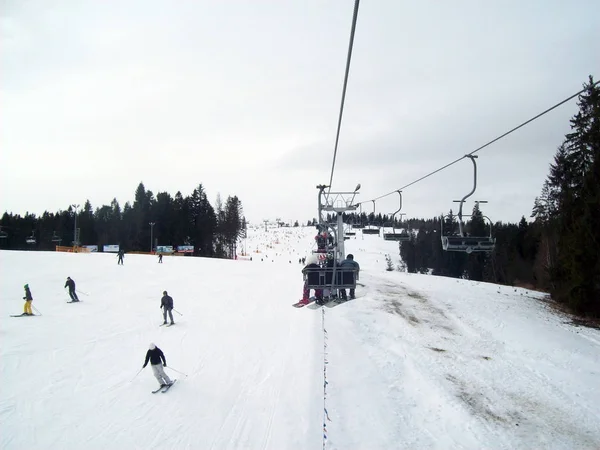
(339, 126)
(483, 146)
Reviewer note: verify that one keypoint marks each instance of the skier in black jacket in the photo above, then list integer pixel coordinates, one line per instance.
(166, 302)
(71, 285)
(157, 361)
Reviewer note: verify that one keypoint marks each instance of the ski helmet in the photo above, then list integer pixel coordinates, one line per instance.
(152, 346)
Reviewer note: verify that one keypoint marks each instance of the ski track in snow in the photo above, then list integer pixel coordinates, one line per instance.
(415, 361)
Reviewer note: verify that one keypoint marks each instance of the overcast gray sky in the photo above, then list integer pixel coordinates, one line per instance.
(243, 97)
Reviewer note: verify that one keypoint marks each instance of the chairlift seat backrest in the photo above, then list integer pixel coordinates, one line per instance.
(468, 244)
(402, 237)
(370, 230)
(321, 278)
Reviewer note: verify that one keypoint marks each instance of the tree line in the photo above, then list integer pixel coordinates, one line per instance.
(190, 220)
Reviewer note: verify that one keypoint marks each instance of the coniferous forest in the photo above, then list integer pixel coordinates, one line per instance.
(191, 220)
(557, 251)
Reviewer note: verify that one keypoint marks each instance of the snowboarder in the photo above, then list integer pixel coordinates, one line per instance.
(166, 302)
(120, 255)
(71, 285)
(28, 299)
(157, 361)
(349, 263)
(160, 258)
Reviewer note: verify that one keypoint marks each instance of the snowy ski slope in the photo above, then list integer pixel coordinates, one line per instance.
(416, 362)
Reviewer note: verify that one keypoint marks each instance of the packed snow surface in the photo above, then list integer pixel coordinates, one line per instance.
(415, 362)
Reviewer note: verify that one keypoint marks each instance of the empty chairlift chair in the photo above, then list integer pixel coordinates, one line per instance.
(462, 242)
(393, 236)
(371, 228)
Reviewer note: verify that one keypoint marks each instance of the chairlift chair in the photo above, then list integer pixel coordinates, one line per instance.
(56, 238)
(367, 229)
(393, 236)
(31, 239)
(462, 242)
(3, 234)
(349, 232)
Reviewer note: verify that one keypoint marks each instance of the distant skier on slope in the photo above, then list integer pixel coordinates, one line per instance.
(166, 302)
(160, 258)
(71, 285)
(28, 299)
(120, 255)
(157, 361)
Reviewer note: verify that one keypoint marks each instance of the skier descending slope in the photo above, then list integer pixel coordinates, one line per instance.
(166, 302)
(28, 299)
(71, 285)
(157, 361)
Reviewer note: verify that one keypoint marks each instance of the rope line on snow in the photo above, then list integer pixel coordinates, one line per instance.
(337, 138)
(325, 382)
(483, 146)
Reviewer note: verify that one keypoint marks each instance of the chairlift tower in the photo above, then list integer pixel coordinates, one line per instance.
(339, 202)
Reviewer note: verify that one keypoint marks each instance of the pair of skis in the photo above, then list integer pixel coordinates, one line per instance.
(301, 304)
(167, 324)
(24, 315)
(164, 388)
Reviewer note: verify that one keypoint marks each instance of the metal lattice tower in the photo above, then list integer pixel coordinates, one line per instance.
(338, 202)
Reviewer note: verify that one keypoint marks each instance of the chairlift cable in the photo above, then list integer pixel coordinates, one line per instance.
(487, 144)
(339, 125)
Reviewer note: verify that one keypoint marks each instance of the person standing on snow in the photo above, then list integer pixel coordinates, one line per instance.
(166, 302)
(120, 255)
(71, 285)
(157, 361)
(28, 299)
(160, 258)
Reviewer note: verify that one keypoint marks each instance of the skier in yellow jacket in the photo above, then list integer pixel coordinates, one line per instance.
(28, 299)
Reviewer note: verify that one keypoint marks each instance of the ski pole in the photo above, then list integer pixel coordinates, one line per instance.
(84, 293)
(177, 312)
(136, 375)
(169, 367)
(36, 310)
